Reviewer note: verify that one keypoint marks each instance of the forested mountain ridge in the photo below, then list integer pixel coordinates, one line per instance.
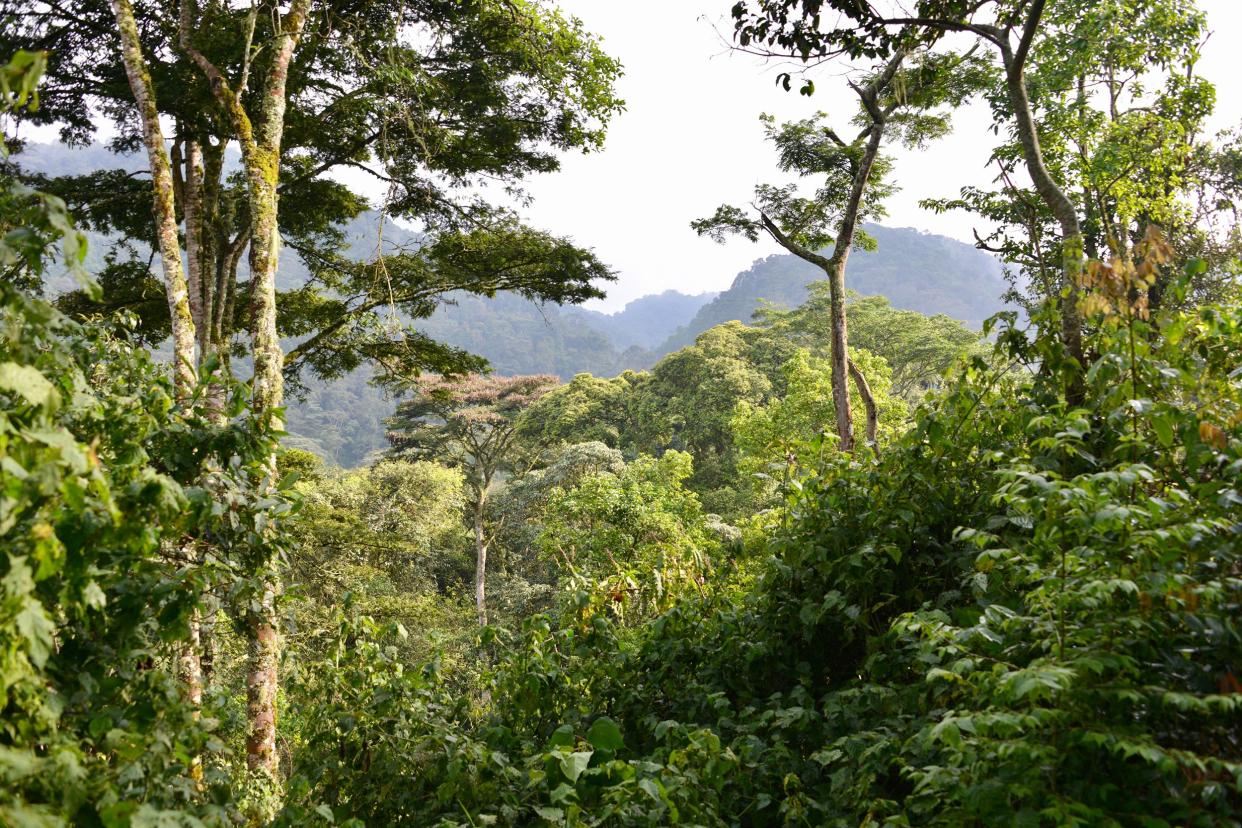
(341, 419)
(914, 270)
(646, 321)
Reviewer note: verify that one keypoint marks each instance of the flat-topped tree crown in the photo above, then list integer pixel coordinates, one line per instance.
(467, 421)
(470, 423)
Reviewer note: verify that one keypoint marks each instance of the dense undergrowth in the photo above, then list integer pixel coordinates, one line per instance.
(1021, 612)
(1018, 611)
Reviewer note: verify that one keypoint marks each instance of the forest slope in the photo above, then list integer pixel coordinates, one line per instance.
(915, 271)
(342, 419)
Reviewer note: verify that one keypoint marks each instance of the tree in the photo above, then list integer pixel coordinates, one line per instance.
(345, 313)
(388, 541)
(518, 511)
(687, 401)
(1120, 110)
(165, 211)
(1013, 28)
(584, 410)
(108, 467)
(773, 439)
(431, 99)
(852, 189)
(470, 423)
(639, 531)
(918, 349)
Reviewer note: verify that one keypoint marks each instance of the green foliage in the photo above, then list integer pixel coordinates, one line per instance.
(687, 402)
(786, 430)
(1014, 610)
(919, 349)
(518, 511)
(389, 534)
(586, 409)
(639, 532)
(1031, 609)
(111, 487)
(106, 482)
(32, 222)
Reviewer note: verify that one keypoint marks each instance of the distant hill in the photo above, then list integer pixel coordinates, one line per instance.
(342, 419)
(914, 270)
(647, 321)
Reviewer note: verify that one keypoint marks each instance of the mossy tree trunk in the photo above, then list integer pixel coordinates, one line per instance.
(164, 197)
(260, 135)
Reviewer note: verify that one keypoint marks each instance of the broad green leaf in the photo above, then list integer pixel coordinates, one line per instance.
(573, 764)
(605, 735)
(26, 381)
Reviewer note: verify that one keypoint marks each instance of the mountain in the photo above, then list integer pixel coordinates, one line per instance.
(58, 159)
(518, 336)
(914, 270)
(647, 321)
(343, 419)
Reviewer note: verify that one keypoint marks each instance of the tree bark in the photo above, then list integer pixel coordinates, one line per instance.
(190, 671)
(839, 353)
(834, 269)
(480, 565)
(263, 657)
(1057, 200)
(192, 205)
(178, 290)
(163, 190)
(873, 413)
(260, 139)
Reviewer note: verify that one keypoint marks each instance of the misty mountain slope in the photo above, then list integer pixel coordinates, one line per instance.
(913, 270)
(647, 321)
(343, 419)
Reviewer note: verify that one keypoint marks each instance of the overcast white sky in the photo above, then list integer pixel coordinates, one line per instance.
(690, 140)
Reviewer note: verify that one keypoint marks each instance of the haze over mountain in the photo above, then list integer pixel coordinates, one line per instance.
(914, 270)
(343, 419)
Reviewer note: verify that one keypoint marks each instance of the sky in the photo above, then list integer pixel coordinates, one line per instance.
(690, 140)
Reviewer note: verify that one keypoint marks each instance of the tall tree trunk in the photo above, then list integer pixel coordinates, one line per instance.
(192, 205)
(480, 564)
(261, 157)
(190, 671)
(839, 349)
(260, 138)
(1056, 199)
(873, 413)
(163, 190)
(839, 354)
(834, 269)
(834, 266)
(263, 659)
